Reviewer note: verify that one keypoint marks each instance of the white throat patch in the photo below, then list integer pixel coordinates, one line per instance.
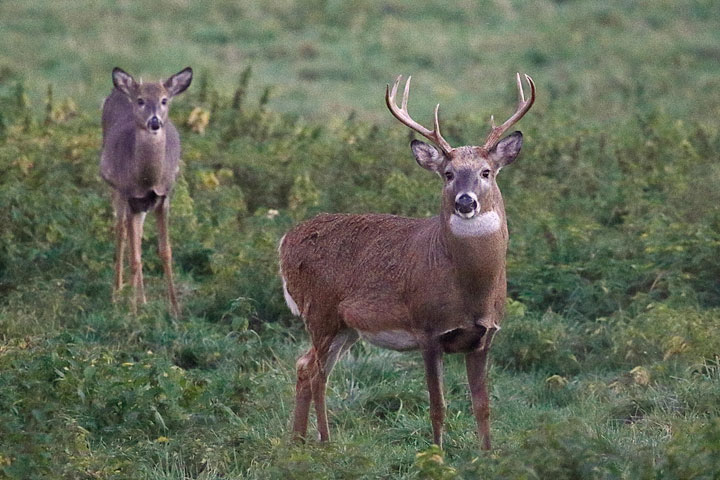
(478, 226)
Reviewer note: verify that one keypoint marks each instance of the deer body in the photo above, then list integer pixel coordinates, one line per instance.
(151, 160)
(140, 160)
(412, 259)
(435, 284)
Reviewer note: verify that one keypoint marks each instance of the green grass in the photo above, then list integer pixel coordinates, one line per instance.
(326, 58)
(607, 365)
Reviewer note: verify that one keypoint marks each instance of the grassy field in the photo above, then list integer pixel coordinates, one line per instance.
(325, 58)
(608, 363)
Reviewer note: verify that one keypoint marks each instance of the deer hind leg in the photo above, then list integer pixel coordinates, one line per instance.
(135, 223)
(303, 393)
(476, 364)
(162, 212)
(327, 358)
(318, 385)
(313, 370)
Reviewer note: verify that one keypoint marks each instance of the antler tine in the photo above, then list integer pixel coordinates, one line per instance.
(521, 94)
(522, 108)
(406, 94)
(402, 114)
(394, 88)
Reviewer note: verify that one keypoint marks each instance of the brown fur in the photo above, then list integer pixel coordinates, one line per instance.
(390, 272)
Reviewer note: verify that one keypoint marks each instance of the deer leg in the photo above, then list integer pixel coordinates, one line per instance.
(340, 344)
(135, 231)
(434, 377)
(327, 356)
(319, 386)
(165, 251)
(120, 235)
(313, 370)
(303, 393)
(476, 365)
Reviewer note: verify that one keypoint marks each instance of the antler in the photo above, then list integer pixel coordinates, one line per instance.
(404, 117)
(522, 108)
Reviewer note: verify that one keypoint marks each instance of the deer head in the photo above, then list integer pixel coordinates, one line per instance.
(151, 101)
(469, 172)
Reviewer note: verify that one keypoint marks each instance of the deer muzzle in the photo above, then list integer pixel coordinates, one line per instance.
(154, 123)
(466, 204)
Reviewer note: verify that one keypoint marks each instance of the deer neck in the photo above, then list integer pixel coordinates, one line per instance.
(149, 156)
(477, 246)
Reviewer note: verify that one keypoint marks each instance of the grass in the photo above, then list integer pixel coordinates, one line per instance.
(327, 58)
(606, 366)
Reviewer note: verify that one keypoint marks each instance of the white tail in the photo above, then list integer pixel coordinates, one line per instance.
(140, 160)
(431, 284)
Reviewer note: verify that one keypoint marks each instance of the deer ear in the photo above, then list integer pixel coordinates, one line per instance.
(123, 81)
(506, 150)
(179, 82)
(427, 156)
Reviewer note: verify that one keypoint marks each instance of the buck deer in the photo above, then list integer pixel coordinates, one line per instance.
(434, 284)
(140, 160)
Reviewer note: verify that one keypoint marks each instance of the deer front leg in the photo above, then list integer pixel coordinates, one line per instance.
(434, 376)
(120, 235)
(135, 231)
(476, 365)
(165, 251)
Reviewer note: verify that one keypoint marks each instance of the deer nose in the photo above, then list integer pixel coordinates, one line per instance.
(154, 123)
(465, 204)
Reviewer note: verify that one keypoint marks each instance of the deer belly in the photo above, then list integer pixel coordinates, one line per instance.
(462, 340)
(392, 339)
(143, 204)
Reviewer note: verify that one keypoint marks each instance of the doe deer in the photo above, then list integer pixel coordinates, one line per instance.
(140, 160)
(434, 284)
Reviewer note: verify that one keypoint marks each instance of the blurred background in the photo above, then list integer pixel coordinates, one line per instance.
(324, 58)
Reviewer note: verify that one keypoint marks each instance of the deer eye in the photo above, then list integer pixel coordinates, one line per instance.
(140, 102)
(485, 173)
(164, 101)
(449, 175)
